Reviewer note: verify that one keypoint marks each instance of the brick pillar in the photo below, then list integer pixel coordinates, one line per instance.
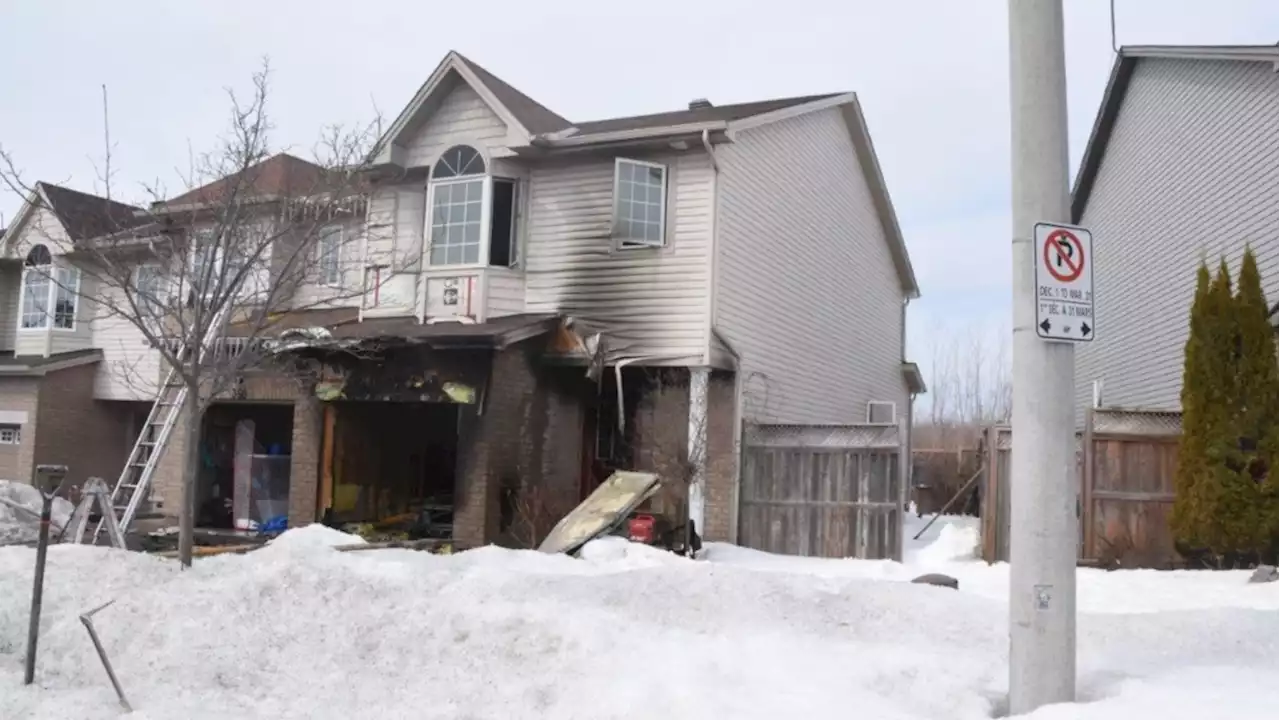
(722, 462)
(472, 511)
(304, 464)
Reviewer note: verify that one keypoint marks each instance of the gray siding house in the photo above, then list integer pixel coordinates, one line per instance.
(1181, 164)
(618, 293)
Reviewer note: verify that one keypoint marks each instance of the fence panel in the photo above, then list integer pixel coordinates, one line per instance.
(822, 491)
(1127, 463)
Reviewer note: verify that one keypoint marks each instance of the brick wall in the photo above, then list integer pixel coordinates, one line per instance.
(660, 439)
(527, 441)
(19, 395)
(89, 436)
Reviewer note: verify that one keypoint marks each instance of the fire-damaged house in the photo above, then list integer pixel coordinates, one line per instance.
(542, 302)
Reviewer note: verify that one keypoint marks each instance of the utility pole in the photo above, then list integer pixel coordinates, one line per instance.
(1044, 488)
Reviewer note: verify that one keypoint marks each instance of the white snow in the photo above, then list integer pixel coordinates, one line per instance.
(19, 527)
(297, 630)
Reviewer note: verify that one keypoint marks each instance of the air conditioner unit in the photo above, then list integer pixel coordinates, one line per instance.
(882, 412)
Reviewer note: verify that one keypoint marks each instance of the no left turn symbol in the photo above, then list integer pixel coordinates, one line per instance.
(1064, 256)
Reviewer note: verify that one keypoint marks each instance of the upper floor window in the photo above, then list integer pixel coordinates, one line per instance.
(48, 293)
(149, 288)
(472, 216)
(329, 249)
(639, 203)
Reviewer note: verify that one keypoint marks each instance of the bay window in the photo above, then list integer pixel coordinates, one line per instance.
(471, 216)
(49, 293)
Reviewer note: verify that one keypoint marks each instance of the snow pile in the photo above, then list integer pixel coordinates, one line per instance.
(297, 630)
(19, 527)
(955, 542)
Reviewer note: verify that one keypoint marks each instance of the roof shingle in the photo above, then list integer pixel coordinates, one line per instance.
(86, 216)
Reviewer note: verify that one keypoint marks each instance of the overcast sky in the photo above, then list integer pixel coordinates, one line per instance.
(932, 78)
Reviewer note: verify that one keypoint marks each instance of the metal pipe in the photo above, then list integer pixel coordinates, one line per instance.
(1044, 531)
(87, 619)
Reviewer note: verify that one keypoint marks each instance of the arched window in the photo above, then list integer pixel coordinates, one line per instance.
(45, 286)
(458, 161)
(471, 216)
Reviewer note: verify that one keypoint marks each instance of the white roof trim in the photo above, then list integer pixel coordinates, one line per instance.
(451, 63)
(632, 134)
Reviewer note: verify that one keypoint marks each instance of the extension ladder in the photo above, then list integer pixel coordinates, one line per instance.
(134, 484)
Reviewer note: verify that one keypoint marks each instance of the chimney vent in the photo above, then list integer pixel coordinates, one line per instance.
(699, 104)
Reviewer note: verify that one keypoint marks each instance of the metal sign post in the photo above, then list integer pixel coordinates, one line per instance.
(48, 480)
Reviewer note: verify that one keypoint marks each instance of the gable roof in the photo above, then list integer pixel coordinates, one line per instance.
(281, 175)
(533, 115)
(545, 128)
(1118, 84)
(82, 215)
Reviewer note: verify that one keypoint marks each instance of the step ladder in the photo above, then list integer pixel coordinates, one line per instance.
(134, 485)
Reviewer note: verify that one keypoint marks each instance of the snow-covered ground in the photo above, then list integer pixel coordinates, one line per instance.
(297, 630)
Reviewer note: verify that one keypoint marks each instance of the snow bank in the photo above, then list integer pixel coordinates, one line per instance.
(298, 631)
(17, 526)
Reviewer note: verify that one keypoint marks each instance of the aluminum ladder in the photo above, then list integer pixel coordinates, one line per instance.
(134, 484)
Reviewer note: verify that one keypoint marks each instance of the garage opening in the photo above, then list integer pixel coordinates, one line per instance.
(243, 481)
(394, 465)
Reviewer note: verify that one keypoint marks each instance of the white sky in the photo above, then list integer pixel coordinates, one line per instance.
(932, 78)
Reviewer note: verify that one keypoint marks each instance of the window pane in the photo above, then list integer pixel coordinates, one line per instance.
(475, 190)
(453, 254)
(455, 235)
(473, 212)
(655, 214)
(472, 252)
(456, 213)
(438, 256)
(471, 233)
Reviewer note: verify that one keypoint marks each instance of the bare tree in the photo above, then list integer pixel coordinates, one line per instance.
(970, 384)
(255, 239)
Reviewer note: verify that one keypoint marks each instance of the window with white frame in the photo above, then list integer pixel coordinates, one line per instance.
(65, 292)
(205, 256)
(639, 203)
(149, 288)
(458, 184)
(49, 293)
(37, 283)
(329, 249)
(10, 434)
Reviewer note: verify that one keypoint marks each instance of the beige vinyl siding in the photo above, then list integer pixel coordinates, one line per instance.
(505, 292)
(130, 367)
(807, 292)
(1190, 171)
(10, 296)
(650, 302)
(346, 291)
(461, 118)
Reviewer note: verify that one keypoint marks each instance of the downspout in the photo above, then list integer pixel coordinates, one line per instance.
(713, 263)
(907, 447)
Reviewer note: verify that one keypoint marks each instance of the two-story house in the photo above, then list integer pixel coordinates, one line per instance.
(1181, 166)
(542, 300)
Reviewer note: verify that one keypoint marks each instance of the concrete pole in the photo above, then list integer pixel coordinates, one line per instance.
(1044, 485)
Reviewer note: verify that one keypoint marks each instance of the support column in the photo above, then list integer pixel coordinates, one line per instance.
(1043, 483)
(304, 460)
(699, 379)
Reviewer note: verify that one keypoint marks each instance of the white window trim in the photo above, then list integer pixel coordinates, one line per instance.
(13, 428)
(892, 406)
(75, 300)
(515, 242)
(622, 243)
(320, 255)
(50, 312)
(486, 204)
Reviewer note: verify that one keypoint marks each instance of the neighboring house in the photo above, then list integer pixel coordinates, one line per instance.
(1181, 165)
(569, 298)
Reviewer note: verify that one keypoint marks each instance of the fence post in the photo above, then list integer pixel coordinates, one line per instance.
(1086, 482)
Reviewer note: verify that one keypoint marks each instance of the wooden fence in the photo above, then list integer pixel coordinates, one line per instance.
(1126, 460)
(823, 491)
